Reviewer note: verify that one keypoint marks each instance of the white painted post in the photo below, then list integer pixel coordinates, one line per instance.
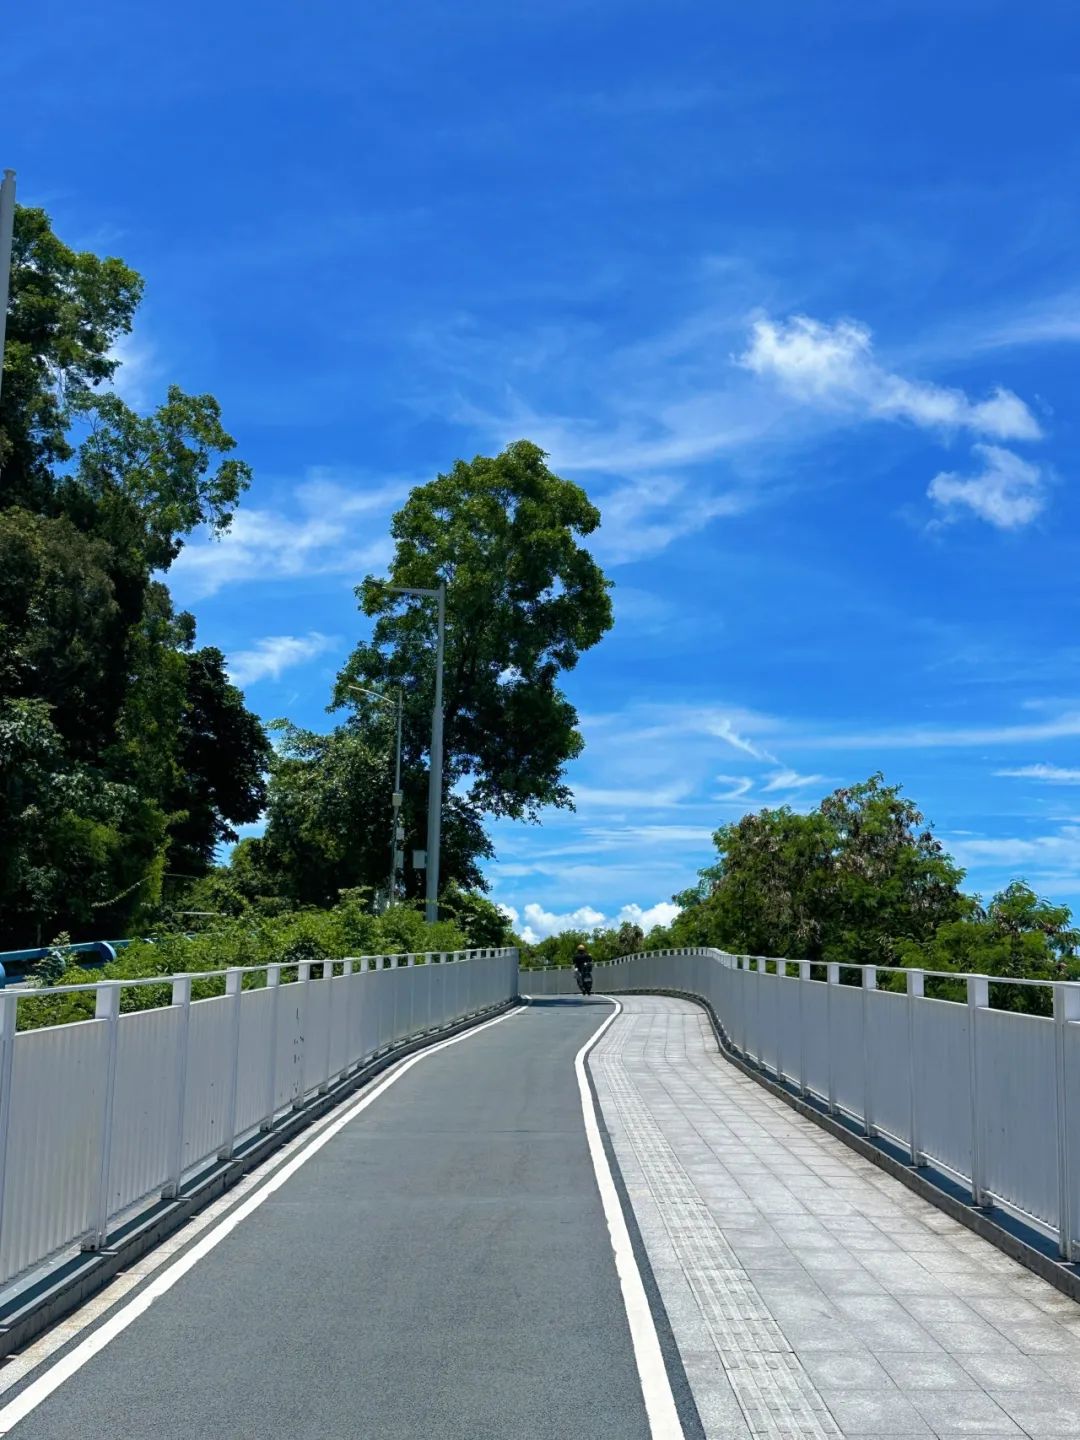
(1066, 1012)
(107, 1008)
(759, 1029)
(328, 977)
(234, 979)
(9, 1022)
(348, 1057)
(781, 974)
(412, 996)
(181, 1000)
(273, 982)
(804, 980)
(915, 990)
(303, 1013)
(832, 979)
(869, 979)
(978, 998)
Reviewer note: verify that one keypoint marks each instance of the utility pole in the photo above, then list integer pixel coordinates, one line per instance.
(397, 835)
(431, 902)
(7, 229)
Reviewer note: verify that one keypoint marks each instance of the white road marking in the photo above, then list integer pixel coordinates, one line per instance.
(664, 1422)
(75, 1359)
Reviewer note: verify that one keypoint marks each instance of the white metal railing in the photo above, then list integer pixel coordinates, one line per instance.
(101, 1114)
(990, 1096)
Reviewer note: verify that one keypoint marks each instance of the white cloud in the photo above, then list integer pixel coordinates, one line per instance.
(1063, 727)
(644, 517)
(833, 366)
(661, 797)
(791, 780)
(140, 370)
(274, 654)
(1051, 774)
(320, 537)
(540, 923)
(1007, 492)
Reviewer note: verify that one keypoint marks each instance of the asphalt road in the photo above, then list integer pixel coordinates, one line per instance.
(440, 1268)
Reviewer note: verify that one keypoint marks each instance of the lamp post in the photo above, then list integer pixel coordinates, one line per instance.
(396, 834)
(7, 226)
(434, 830)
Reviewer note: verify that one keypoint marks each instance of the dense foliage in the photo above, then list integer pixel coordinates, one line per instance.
(126, 755)
(861, 880)
(251, 939)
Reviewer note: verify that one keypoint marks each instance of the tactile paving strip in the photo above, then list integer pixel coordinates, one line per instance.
(777, 1397)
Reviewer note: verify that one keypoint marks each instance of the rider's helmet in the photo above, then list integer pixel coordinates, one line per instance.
(581, 950)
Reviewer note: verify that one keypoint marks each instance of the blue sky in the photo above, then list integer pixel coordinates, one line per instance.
(791, 289)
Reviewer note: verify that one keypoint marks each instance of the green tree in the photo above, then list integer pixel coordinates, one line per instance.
(115, 737)
(524, 600)
(1017, 936)
(223, 757)
(853, 881)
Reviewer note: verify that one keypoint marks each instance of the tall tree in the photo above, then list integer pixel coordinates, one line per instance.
(854, 881)
(115, 734)
(524, 600)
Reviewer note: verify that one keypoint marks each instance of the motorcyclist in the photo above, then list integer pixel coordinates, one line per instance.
(583, 963)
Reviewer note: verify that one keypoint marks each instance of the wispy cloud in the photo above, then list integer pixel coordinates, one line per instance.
(833, 366)
(932, 737)
(1007, 492)
(1049, 774)
(271, 656)
(790, 780)
(333, 526)
(138, 378)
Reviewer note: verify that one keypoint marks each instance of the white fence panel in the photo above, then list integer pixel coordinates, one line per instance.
(1018, 1110)
(53, 1162)
(890, 1078)
(209, 1059)
(144, 1109)
(942, 1083)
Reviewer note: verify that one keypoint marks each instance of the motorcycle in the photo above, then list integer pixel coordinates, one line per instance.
(584, 978)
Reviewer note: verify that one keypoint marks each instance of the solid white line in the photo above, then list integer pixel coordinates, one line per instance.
(75, 1359)
(664, 1422)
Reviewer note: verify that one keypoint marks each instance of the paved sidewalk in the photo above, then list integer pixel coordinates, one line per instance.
(810, 1294)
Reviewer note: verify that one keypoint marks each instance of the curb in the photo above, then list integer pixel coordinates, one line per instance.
(1019, 1241)
(41, 1305)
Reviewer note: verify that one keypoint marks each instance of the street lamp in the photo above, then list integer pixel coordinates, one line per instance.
(7, 226)
(434, 828)
(397, 833)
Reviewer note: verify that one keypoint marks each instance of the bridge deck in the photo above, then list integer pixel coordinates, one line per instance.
(810, 1294)
(442, 1267)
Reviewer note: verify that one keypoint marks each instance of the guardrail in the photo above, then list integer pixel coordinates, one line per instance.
(989, 1096)
(101, 1115)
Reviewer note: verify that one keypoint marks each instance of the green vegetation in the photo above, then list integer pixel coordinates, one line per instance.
(125, 754)
(861, 880)
(127, 758)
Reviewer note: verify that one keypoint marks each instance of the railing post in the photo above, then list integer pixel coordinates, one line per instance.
(781, 974)
(273, 982)
(804, 980)
(181, 999)
(328, 976)
(9, 1024)
(915, 991)
(107, 1008)
(760, 969)
(869, 982)
(832, 979)
(303, 982)
(346, 971)
(234, 980)
(412, 996)
(1066, 1011)
(978, 998)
